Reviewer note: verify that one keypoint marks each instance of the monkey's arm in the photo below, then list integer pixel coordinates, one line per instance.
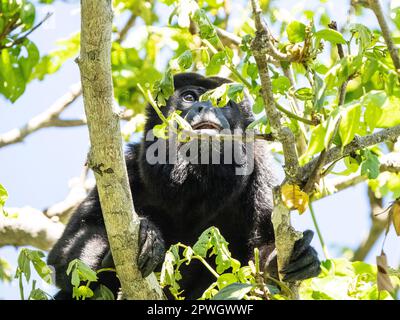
(304, 262)
(84, 238)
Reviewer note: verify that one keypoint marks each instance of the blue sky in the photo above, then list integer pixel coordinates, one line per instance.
(36, 172)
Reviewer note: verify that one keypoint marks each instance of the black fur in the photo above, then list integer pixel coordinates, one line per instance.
(178, 202)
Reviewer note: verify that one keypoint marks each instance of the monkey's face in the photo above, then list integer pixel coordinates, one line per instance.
(202, 115)
(214, 159)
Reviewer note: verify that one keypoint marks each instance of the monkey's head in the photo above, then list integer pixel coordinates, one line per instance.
(202, 115)
(196, 163)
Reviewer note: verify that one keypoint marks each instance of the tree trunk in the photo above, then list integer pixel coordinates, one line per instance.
(106, 157)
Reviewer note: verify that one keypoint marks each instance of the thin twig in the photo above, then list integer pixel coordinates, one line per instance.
(283, 134)
(375, 6)
(321, 239)
(358, 143)
(295, 116)
(301, 142)
(42, 120)
(50, 117)
(125, 29)
(23, 37)
(316, 172)
(228, 37)
(379, 223)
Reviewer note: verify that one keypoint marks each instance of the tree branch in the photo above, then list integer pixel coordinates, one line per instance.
(228, 38)
(388, 163)
(42, 120)
(285, 235)
(379, 223)
(50, 117)
(29, 227)
(79, 188)
(375, 6)
(358, 143)
(317, 170)
(283, 134)
(106, 154)
(125, 29)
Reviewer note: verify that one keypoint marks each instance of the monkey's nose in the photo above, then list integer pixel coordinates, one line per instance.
(201, 106)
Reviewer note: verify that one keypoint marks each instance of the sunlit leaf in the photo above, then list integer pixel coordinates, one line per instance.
(294, 198)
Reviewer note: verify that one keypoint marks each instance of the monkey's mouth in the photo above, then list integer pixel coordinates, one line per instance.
(206, 125)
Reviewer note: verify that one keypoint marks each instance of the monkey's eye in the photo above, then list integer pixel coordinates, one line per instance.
(189, 96)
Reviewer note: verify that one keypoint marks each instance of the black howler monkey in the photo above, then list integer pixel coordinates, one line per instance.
(178, 201)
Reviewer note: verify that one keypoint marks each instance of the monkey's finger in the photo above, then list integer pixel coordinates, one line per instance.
(146, 249)
(152, 253)
(302, 244)
(108, 261)
(150, 261)
(143, 231)
(310, 271)
(307, 258)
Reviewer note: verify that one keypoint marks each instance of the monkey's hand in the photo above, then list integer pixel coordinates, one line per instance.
(303, 263)
(151, 249)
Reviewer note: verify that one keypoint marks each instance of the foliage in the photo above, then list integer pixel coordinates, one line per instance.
(18, 55)
(27, 258)
(340, 279)
(307, 91)
(81, 272)
(3, 198)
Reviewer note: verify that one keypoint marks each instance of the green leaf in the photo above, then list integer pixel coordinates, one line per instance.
(342, 70)
(3, 197)
(331, 126)
(75, 279)
(206, 29)
(103, 293)
(350, 123)
(80, 272)
(28, 63)
(304, 94)
(370, 166)
(226, 279)
(330, 35)
(164, 88)
(82, 292)
(281, 85)
(218, 96)
(236, 92)
(204, 58)
(382, 111)
(27, 15)
(235, 291)
(316, 143)
(42, 269)
(362, 34)
(296, 31)
(185, 60)
(38, 294)
(5, 271)
(216, 62)
(24, 264)
(258, 106)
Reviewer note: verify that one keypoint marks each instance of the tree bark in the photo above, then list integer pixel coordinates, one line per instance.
(106, 157)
